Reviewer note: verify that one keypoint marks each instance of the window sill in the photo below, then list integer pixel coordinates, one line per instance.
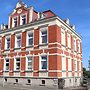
(7, 49)
(63, 70)
(6, 71)
(43, 44)
(29, 71)
(17, 48)
(17, 71)
(29, 46)
(43, 70)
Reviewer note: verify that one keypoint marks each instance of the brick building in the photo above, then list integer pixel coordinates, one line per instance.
(39, 46)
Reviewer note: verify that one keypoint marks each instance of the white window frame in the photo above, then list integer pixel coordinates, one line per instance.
(40, 64)
(0, 43)
(69, 64)
(16, 46)
(40, 38)
(69, 40)
(27, 41)
(5, 67)
(15, 61)
(79, 46)
(75, 65)
(74, 44)
(8, 37)
(63, 63)
(79, 65)
(31, 61)
(63, 40)
(21, 19)
(13, 25)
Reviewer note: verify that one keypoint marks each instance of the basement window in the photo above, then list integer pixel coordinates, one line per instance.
(70, 80)
(29, 81)
(43, 82)
(16, 80)
(5, 79)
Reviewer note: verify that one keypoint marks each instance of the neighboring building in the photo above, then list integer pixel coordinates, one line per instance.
(39, 48)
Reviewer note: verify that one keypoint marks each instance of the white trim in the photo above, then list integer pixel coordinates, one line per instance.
(15, 63)
(21, 18)
(13, 21)
(40, 55)
(40, 31)
(7, 37)
(29, 32)
(27, 62)
(19, 34)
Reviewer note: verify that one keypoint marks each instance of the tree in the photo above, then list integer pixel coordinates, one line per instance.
(86, 73)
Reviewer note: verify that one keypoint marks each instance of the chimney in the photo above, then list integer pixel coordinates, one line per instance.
(67, 21)
(73, 27)
(2, 26)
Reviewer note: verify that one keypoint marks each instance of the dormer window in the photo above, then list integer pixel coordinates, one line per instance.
(14, 24)
(23, 20)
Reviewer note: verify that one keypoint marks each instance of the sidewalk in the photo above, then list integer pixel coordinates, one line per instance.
(30, 87)
(76, 88)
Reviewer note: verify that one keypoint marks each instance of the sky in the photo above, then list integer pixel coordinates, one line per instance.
(78, 11)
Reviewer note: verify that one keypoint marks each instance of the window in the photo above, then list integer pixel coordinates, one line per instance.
(43, 82)
(78, 46)
(23, 19)
(5, 79)
(69, 64)
(29, 63)
(63, 37)
(63, 63)
(75, 65)
(30, 39)
(44, 62)
(18, 41)
(17, 64)
(6, 64)
(14, 22)
(69, 40)
(75, 79)
(29, 81)
(0, 44)
(74, 44)
(16, 80)
(43, 36)
(79, 66)
(7, 43)
(70, 80)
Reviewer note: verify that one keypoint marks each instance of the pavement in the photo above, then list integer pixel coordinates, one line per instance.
(19, 87)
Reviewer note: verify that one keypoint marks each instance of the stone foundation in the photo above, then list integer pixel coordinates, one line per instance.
(47, 82)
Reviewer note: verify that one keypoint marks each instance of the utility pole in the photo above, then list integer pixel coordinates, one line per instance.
(89, 63)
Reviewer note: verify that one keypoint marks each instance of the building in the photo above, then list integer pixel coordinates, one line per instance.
(39, 46)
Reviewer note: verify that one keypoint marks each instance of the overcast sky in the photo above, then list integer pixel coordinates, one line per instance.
(78, 11)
